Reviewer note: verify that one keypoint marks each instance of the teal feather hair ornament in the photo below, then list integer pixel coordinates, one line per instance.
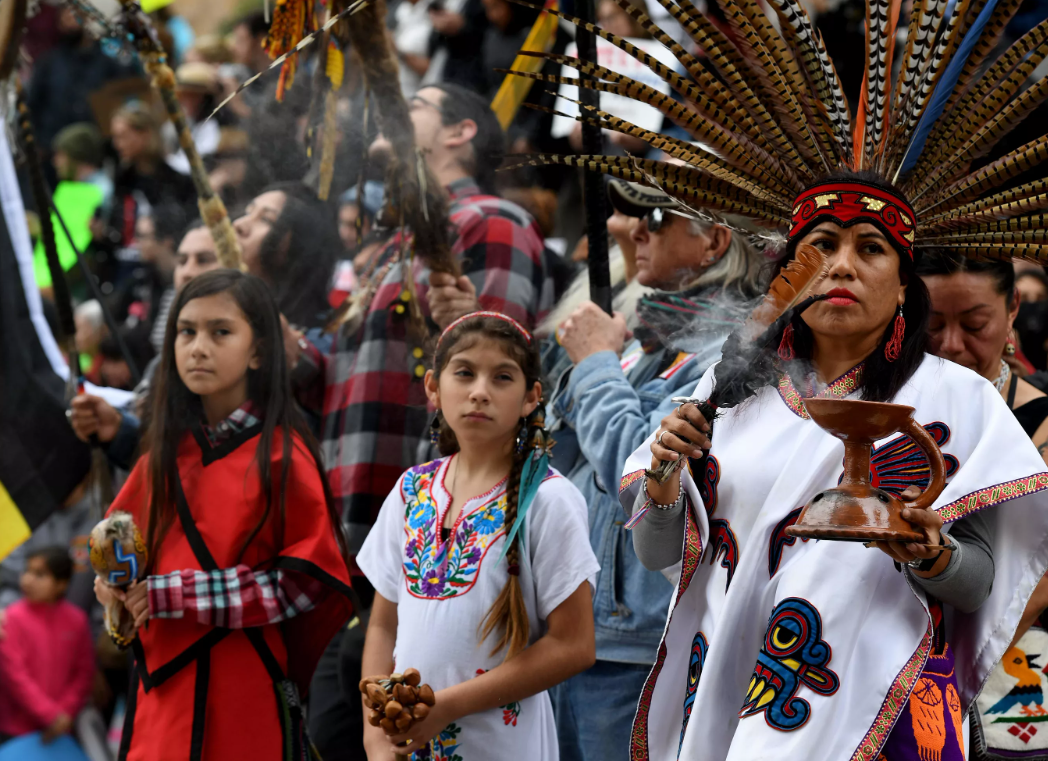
(532, 474)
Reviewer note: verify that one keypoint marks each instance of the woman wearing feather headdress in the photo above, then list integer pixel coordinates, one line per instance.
(774, 647)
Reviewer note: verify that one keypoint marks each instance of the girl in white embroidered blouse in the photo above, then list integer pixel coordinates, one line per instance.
(481, 561)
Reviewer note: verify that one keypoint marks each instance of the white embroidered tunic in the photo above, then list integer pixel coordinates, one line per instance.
(787, 649)
(443, 591)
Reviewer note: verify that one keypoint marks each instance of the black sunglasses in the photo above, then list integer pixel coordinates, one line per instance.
(658, 218)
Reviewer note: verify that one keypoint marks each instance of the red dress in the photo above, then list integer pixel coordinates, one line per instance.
(206, 693)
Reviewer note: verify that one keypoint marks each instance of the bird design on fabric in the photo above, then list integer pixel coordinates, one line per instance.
(929, 722)
(1027, 692)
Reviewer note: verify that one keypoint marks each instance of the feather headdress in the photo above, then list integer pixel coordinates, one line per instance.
(771, 114)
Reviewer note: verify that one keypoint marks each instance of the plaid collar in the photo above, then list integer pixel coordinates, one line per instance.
(243, 417)
(463, 188)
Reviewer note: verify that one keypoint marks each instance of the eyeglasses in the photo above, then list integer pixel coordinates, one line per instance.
(435, 106)
(658, 218)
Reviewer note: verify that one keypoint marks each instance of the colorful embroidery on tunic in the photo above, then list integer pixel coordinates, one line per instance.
(437, 570)
(442, 747)
(779, 540)
(839, 389)
(723, 542)
(629, 479)
(708, 484)
(692, 553)
(699, 648)
(993, 495)
(900, 463)
(510, 711)
(898, 695)
(794, 653)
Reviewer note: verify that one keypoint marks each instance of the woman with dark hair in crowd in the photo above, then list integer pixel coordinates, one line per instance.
(814, 616)
(289, 239)
(974, 305)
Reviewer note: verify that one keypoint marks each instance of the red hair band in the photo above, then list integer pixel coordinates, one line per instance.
(474, 315)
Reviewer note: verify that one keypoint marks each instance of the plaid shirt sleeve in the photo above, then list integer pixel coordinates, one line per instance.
(234, 598)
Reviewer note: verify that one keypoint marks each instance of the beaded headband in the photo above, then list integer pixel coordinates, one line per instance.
(849, 203)
(474, 315)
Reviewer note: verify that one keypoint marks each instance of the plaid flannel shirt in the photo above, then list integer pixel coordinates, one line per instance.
(237, 597)
(369, 388)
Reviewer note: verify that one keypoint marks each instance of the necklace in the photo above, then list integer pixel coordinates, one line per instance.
(1003, 377)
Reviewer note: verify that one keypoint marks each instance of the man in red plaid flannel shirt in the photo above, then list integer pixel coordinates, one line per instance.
(369, 388)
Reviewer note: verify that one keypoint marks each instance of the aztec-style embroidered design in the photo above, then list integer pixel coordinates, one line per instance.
(901, 463)
(794, 653)
(442, 747)
(723, 542)
(708, 484)
(899, 692)
(993, 495)
(699, 648)
(779, 541)
(629, 479)
(839, 389)
(437, 570)
(690, 562)
(848, 203)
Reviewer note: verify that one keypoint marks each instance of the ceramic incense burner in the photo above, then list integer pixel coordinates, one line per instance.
(855, 511)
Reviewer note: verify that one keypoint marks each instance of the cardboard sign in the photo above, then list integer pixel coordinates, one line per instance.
(620, 62)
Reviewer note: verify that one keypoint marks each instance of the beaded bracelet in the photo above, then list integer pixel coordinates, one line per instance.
(649, 503)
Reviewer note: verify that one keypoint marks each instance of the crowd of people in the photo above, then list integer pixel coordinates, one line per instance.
(348, 456)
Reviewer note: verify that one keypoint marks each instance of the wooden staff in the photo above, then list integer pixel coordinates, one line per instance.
(212, 210)
(413, 192)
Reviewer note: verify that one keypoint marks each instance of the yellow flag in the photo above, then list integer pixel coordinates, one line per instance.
(514, 89)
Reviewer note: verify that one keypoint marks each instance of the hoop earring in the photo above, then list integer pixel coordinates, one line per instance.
(786, 344)
(434, 428)
(1009, 345)
(894, 346)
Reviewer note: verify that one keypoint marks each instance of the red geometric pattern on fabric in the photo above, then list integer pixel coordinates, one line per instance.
(839, 389)
(896, 699)
(629, 479)
(993, 495)
(850, 202)
(692, 554)
(1024, 732)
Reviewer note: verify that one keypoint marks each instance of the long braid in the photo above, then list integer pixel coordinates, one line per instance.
(508, 614)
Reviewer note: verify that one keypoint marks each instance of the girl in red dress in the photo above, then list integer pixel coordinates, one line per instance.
(247, 579)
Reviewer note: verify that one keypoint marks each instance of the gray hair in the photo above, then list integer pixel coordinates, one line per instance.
(92, 312)
(740, 267)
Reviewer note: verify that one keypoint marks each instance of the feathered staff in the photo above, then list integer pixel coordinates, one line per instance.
(411, 189)
(212, 210)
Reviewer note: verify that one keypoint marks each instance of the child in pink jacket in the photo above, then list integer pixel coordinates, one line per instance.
(47, 660)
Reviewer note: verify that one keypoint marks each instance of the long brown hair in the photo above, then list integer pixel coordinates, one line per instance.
(177, 410)
(508, 615)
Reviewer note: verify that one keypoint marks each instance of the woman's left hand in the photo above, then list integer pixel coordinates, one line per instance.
(418, 736)
(136, 600)
(928, 521)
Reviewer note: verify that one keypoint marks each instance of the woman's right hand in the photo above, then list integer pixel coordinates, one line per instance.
(93, 415)
(682, 433)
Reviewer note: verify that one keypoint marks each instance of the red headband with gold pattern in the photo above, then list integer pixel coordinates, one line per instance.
(850, 202)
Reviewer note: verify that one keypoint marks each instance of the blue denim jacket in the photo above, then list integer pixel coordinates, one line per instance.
(598, 416)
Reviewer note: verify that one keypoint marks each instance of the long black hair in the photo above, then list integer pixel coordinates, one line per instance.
(298, 254)
(176, 409)
(881, 379)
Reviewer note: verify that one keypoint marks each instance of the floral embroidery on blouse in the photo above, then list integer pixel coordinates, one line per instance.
(439, 570)
(510, 711)
(442, 747)
(839, 389)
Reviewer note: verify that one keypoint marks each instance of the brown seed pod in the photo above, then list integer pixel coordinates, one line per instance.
(425, 694)
(377, 695)
(411, 696)
(396, 678)
(388, 726)
(412, 677)
(392, 709)
(374, 718)
(403, 721)
(401, 693)
(420, 711)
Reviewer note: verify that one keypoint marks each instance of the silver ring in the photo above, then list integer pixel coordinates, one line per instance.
(658, 439)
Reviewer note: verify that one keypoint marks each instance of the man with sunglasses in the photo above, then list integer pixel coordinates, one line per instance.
(604, 406)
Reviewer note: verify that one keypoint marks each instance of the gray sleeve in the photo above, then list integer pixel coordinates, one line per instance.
(968, 577)
(658, 540)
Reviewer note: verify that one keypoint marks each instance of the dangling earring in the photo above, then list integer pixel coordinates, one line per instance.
(894, 347)
(1009, 345)
(434, 428)
(522, 438)
(786, 344)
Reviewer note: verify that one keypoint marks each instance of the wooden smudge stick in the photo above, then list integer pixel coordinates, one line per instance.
(397, 702)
